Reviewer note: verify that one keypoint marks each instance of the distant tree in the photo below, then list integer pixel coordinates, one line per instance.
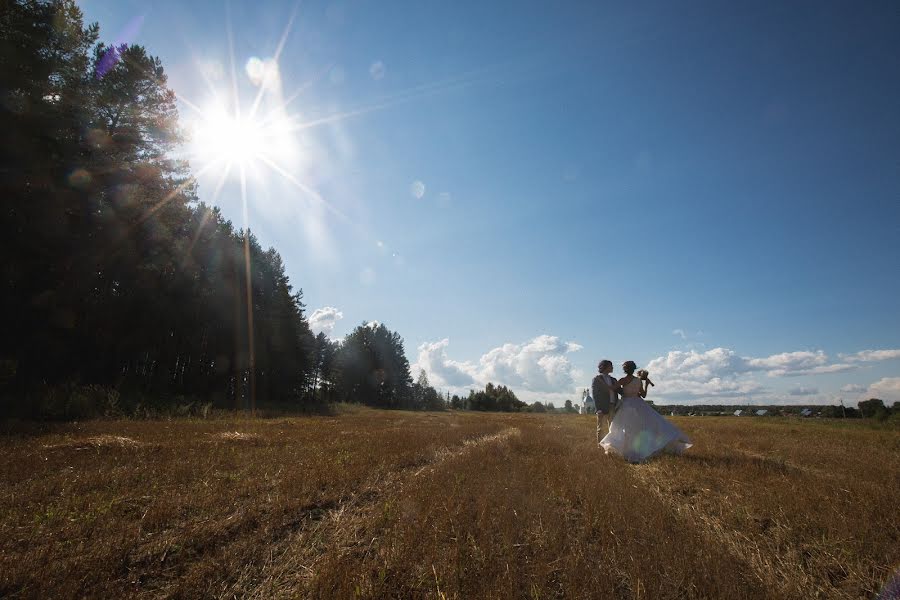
(831, 412)
(432, 400)
(493, 398)
(373, 368)
(322, 371)
(568, 406)
(423, 395)
(873, 408)
(538, 407)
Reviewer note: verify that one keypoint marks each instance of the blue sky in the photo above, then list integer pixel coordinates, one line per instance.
(521, 189)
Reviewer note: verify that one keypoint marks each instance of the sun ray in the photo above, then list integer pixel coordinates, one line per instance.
(221, 182)
(360, 230)
(190, 249)
(190, 104)
(402, 97)
(278, 50)
(235, 97)
(171, 195)
(192, 51)
(251, 345)
(306, 85)
(304, 188)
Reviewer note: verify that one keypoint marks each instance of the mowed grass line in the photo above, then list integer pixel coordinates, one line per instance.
(541, 514)
(445, 505)
(805, 503)
(188, 507)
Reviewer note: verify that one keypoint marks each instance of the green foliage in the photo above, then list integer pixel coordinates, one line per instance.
(874, 408)
(323, 369)
(71, 401)
(493, 398)
(114, 273)
(372, 368)
(423, 396)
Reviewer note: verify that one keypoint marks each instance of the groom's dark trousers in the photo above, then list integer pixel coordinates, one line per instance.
(603, 399)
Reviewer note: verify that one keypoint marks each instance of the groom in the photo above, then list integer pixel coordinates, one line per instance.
(605, 397)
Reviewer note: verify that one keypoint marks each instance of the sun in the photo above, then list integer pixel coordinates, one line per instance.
(227, 139)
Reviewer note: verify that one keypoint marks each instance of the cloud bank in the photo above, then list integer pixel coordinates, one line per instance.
(541, 369)
(886, 388)
(723, 374)
(538, 366)
(323, 320)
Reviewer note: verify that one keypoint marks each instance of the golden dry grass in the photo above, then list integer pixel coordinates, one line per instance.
(380, 504)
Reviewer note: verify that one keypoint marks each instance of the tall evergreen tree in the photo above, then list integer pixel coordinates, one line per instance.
(373, 368)
(113, 272)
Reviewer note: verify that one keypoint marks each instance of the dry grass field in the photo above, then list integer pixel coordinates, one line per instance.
(377, 504)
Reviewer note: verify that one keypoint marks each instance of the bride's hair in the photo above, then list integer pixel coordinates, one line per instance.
(629, 366)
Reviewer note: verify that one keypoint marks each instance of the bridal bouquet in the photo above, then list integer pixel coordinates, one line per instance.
(644, 375)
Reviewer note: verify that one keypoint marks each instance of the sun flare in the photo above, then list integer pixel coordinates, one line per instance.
(226, 138)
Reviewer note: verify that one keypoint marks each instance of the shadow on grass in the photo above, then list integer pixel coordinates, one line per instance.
(732, 461)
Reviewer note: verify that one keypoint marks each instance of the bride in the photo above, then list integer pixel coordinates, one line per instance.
(638, 432)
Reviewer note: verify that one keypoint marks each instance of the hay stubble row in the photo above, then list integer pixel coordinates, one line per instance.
(453, 505)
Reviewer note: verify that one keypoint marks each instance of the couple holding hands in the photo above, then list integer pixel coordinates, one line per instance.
(626, 425)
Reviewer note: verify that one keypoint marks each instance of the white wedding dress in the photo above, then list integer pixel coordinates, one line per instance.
(638, 432)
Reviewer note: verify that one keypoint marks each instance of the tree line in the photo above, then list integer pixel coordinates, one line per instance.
(120, 290)
(871, 408)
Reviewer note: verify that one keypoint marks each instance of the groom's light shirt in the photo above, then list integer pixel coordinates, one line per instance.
(612, 393)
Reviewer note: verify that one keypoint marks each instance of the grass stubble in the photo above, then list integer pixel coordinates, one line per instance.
(379, 504)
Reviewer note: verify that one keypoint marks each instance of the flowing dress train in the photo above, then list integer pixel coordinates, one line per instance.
(637, 432)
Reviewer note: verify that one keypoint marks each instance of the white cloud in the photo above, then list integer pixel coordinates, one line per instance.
(323, 320)
(835, 368)
(854, 388)
(722, 373)
(698, 366)
(789, 363)
(538, 365)
(872, 355)
(440, 368)
(723, 362)
(803, 391)
(680, 333)
(724, 388)
(886, 388)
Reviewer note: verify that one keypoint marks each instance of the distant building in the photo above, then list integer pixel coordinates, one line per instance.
(588, 407)
(761, 412)
(806, 412)
(738, 412)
